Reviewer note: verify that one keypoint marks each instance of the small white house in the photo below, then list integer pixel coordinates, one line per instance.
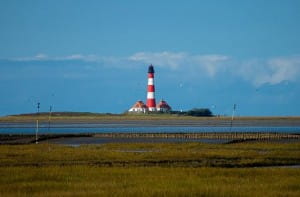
(163, 106)
(139, 107)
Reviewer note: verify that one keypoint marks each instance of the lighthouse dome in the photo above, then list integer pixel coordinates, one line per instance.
(151, 69)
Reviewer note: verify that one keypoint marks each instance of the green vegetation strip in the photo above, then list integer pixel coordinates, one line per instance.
(136, 169)
(94, 117)
(158, 154)
(84, 180)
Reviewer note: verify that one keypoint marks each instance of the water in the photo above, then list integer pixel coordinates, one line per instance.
(28, 128)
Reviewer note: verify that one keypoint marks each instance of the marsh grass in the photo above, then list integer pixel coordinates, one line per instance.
(145, 169)
(154, 154)
(148, 181)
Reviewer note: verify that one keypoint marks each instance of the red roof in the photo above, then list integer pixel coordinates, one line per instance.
(163, 104)
(139, 104)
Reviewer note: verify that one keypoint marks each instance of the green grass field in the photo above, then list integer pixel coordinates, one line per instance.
(153, 154)
(148, 181)
(175, 169)
(88, 117)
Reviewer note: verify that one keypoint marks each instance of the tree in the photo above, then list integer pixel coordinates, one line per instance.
(199, 112)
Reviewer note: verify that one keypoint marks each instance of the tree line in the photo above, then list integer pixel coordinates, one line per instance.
(194, 112)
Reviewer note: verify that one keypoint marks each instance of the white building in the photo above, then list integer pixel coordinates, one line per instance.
(163, 106)
(139, 107)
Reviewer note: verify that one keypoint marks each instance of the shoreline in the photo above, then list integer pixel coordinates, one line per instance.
(62, 118)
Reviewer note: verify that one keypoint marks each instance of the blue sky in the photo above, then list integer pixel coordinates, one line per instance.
(93, 55)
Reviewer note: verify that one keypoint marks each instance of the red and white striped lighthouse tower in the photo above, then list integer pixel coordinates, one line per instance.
(151, 90)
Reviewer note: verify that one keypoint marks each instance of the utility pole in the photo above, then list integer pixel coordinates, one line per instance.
(36, 131)
(38, 107)
(234, 108)
(37, 123)
(49, 118)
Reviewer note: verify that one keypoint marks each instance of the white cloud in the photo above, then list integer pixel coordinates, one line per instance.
(270, 71)
(212, 64)
(37, 57)
(41, 56)
(74, 57)
(257, 71)
(284, 68)
(88, 58)
(164, 59)
(44, 57)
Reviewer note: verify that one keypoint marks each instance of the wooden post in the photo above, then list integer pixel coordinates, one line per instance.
(36, 131)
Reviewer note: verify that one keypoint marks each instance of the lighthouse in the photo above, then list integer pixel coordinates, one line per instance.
(151, 104)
